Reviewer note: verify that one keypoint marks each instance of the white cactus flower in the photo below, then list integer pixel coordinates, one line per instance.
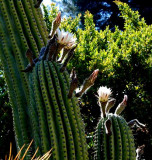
(104, 94)
(65, 38)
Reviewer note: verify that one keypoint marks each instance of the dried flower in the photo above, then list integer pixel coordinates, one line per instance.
(104, 94)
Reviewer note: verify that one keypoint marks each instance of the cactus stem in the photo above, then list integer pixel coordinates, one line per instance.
(110, 104)
(73, 84)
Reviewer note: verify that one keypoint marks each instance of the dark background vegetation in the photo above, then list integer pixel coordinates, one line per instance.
(105, 13)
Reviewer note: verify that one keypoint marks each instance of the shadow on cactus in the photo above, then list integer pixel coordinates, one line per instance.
(113, 135)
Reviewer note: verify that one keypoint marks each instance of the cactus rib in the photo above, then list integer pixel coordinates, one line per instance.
(44, 136)
(65, 118)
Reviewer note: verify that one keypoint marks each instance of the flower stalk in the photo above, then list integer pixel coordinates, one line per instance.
(122, 105)
(70, 55)
(109, 105)
(31, 61)
(103, 97)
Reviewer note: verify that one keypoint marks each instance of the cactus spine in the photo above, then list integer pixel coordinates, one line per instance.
(41, 108)
(113, 137)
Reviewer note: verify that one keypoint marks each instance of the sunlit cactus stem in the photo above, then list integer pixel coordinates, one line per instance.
(109, 105)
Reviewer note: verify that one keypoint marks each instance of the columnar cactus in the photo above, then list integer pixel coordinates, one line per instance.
(113, 137)
(21, 27)
(44, 106)
(56, 120)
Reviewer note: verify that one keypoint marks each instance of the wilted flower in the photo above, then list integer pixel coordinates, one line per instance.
(65, 38)
(104, 94)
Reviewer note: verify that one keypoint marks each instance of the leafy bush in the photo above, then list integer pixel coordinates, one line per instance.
(6, 120)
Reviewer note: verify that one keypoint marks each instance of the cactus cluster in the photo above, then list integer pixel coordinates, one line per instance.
(54, 111)
(44, 104)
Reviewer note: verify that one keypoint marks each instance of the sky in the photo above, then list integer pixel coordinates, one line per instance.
(46, 2)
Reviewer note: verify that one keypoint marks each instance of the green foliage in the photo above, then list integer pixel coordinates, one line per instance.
(132, 18)
(122, 56)
(70, 24)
